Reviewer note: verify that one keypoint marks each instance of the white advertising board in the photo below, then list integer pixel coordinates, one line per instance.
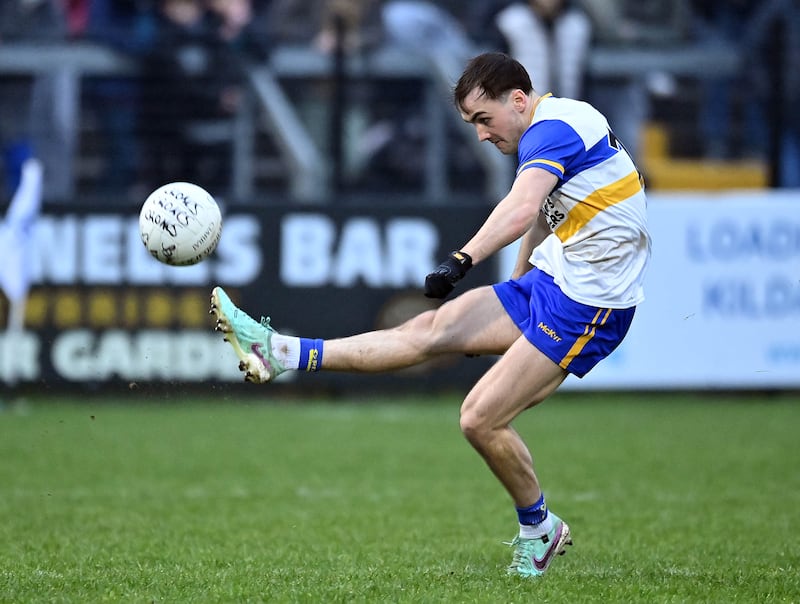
(722, 306)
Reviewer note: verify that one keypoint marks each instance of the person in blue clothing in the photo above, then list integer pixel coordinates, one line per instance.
(578, 208)
(31, 105)
(128, 27)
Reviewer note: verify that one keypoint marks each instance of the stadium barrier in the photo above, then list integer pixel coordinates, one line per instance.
(722, 308)
(69, 64)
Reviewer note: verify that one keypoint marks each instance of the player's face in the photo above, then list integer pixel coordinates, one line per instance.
(499, 121)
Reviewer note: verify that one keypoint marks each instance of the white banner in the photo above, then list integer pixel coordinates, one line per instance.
(722, 306)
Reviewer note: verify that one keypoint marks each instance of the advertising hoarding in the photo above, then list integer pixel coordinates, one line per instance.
(722, 306)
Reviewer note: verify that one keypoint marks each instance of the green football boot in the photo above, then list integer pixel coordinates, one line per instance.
(532, 557)
(251, 340)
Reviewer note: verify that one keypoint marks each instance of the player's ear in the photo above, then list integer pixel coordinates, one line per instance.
(519, 100)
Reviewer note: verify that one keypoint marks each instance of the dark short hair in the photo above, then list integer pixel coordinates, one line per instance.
(495, 73)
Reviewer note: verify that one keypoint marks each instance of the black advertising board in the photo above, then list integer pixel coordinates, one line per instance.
(101, 311)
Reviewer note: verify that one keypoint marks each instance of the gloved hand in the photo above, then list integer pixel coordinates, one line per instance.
(440, 282)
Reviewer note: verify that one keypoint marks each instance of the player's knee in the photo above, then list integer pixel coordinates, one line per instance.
(425, 331)
(474, 426)
(446, 332)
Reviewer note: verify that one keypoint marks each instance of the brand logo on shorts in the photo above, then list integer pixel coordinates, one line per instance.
(550, 332)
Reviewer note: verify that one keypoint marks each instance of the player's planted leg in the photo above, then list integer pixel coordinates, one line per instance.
(522, 378)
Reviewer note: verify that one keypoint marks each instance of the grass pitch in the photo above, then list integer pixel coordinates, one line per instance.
(670, 498)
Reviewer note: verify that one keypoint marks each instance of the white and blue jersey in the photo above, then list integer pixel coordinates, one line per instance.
(577, 303)
(600, 247)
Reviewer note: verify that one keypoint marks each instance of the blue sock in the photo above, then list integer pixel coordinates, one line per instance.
(310, 354)
(534, 514)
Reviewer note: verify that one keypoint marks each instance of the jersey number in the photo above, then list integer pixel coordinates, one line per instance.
(615, 143)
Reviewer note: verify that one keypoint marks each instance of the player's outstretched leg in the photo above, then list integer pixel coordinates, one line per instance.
(251, 340)
(532, 557)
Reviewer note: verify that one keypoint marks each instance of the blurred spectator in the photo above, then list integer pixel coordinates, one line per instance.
(127, 26)
(76, 14)
(32, 108)
(629, 22)
(337, 109)
(294, 22)
(633, 25)
(551, 39)
(31, 20)
(241, 28)
(174, 90)
(723, 24)
(238, 40)
(357, 22)
(429, 29)
(441, 33)
(195, 82)
(382, 127)
(312, 23)
(772, 63)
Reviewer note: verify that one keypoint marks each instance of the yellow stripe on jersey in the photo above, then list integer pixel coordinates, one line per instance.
(582, 341)
(598, 201)
(547, 162)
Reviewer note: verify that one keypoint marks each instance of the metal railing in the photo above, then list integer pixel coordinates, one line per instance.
(308, 168)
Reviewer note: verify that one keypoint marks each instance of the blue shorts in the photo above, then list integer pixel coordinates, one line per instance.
(575, 336)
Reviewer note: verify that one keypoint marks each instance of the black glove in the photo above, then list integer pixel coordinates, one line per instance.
(441, 281)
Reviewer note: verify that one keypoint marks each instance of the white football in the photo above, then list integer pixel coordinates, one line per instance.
(180, 224)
